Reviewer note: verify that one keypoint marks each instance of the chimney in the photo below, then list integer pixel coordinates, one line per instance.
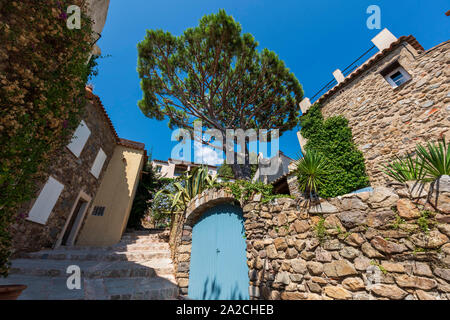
(384, 39)
(338, 76)
(304, 105)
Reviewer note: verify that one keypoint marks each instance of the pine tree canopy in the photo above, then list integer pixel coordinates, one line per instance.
(214, 73)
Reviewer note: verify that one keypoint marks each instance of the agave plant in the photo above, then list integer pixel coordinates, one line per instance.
(188, 186)
(406, 169)
(430, 163)
(312, 172)
(435, 159)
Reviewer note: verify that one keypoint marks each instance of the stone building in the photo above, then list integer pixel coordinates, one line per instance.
(173, 168)
(396, 99)
(96, 174)
(98, 11)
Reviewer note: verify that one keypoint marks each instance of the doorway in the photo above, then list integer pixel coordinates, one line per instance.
(218, 268)
(74, 223)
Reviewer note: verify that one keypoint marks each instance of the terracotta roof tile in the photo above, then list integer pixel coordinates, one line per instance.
(131, 144)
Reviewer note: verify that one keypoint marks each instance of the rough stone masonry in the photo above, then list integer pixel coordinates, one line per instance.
(385, 244)
(388, 122)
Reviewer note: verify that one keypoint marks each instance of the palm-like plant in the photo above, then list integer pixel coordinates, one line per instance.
(312, 172)
(406, 169)
(435, 159)
(188, 186)
(430, 163)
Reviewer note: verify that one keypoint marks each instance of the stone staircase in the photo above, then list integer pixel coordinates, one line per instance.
(138, 267)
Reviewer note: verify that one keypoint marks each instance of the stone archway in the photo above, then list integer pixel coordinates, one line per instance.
(194, 212)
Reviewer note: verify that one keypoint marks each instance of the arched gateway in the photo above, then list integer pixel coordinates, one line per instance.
(218, 265)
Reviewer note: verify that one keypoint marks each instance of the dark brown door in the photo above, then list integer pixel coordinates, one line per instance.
(79, 209)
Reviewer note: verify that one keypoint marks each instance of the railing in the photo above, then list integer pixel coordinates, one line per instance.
(348, 70)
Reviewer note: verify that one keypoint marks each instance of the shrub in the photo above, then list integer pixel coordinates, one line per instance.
(333, 139)
(149, 184)
(312, 172)
(43, 72)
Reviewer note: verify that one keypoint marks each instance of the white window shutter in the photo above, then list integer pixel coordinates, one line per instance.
(46, 201)
(79, 139)
(98, 163)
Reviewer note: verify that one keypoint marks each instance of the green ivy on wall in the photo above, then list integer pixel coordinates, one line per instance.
(333, 138)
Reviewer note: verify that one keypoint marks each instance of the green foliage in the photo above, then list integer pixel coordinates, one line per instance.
(312, 172)
(320, 230)
(424, 222)
(161, 206)
(398, 221)
(407, 169)
(149, 184)
(42, 95)
(435, 159)
(214, 73)
(431, 162)
(243, 190)
(188, 186)
(226, 171)
(333, 139)
(382, 269)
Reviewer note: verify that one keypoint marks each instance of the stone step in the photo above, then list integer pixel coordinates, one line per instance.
(93, 269)
(145, 232)
(140, 241)
(119, 247)
(97, 255)
(55, 288)
(141, 247)
(142, 236)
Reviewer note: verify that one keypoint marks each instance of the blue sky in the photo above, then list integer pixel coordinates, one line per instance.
(313, 37)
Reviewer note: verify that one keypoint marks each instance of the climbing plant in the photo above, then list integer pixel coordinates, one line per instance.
(244, 190)
(333, 139)
(150, 182)
(43, 72)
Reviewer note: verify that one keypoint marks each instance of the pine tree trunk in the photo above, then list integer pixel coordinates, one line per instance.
(242, 171)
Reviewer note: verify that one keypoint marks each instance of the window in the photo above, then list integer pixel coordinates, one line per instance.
(158, 168)
(98, 163)
(79, 139)
(395, 75)
(46, 201)
(98, 211)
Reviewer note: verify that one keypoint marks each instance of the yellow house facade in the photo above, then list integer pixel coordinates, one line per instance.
(112, 204)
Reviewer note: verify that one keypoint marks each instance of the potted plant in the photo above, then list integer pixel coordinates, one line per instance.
(11, 291)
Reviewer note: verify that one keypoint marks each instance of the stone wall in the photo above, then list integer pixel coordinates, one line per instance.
(74, 174)
(371, 245)
(359, 246)
(387, 122)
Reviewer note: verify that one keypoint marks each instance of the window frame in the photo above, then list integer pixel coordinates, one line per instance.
(403, 72)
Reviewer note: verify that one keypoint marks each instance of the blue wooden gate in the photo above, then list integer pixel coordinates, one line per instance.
(218, 269)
